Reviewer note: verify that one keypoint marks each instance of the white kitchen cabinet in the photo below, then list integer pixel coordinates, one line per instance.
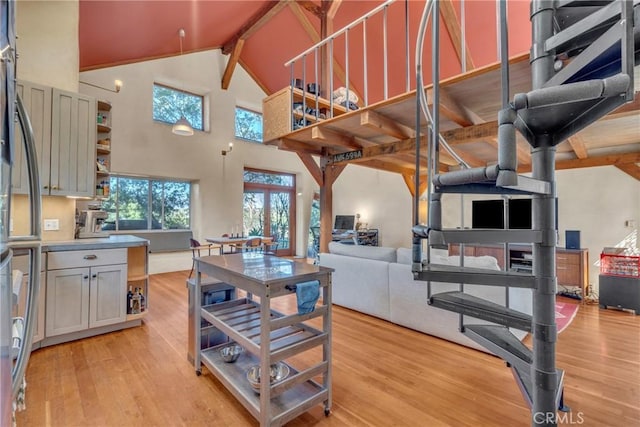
(65, 133)
(22, 263)
(85, 289)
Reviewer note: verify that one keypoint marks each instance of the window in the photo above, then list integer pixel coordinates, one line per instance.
(147, 204)
(269, 207)
(170, 104)
(248, 125)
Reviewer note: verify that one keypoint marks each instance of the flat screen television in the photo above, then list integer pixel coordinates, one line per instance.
(345, 222)
(487, 214)
(520, 214)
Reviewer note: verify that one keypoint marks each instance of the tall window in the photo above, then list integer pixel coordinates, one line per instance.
(248, 125)
(147, 204)
(169, 104)
(269, 207)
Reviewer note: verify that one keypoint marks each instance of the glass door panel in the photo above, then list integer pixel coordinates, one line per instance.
(280, 212)
(253, 213)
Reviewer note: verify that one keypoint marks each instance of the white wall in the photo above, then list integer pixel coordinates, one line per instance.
(48, 42)
(144, 147)
(596, 201)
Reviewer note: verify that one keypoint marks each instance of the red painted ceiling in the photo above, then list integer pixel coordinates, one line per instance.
(124, 31)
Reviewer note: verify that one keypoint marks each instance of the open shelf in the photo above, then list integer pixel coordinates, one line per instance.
(103, 128)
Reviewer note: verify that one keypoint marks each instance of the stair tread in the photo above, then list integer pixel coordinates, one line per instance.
(477, 235)
(503, 338)
(474, 275)
(479, 308)
(525, 186)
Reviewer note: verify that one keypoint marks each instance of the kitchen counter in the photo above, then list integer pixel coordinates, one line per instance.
(114, 241)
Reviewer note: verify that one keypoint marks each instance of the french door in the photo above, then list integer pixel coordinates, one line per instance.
(269, 207)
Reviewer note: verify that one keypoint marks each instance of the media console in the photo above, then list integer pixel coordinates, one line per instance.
(571, 264)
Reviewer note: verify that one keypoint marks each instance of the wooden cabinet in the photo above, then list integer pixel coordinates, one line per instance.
(571, 264)
(85, 289)
(65, 134)
(290, 108)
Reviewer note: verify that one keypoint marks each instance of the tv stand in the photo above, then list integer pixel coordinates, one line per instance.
(571, 264)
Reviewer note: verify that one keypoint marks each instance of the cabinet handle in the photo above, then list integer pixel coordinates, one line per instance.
(85, 277)
(54, 187)
(94, 276)
(46, 187)
(91, 257)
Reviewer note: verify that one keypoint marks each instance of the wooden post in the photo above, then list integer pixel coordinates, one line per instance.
(329, 175)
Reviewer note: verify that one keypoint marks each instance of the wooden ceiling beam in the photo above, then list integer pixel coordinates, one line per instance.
(312, 167)
(449, 108)
(367, 153)
(231, 63)
(409, 180)
(331, 137)
(333, 8)
(253, 24)
(450, 19)
(632, 169)
(297, 146)
(387, 166)
(480, 132)
(577, 144)
(311, 7)
(593, 161)
(385, 125)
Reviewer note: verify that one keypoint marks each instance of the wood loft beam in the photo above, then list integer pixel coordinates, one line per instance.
(231, 63)
(365, 154)
(450, 19)
(632, 169)
(387, 166)
(298, 146)
(311, 7)
(315, 38)
(450, 109)
(577, 144)
(593, 161)
(261, 17)
(473, 133)
(331, 137)
(409, 180)
(385, 125)
(333, 8)
(312, 167)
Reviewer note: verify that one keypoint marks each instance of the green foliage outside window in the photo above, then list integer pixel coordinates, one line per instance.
(170, 104)
(248, 125)
(147, 204)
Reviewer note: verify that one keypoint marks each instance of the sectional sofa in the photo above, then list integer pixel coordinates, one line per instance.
(378, 281)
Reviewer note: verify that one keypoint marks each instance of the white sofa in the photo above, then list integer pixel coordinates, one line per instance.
(378, 281)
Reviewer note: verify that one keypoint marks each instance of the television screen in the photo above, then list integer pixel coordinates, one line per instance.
(345, 222)
(520, 214)
(487, 214)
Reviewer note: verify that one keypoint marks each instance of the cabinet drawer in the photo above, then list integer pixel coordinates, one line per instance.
(567, 259)
(87, 258)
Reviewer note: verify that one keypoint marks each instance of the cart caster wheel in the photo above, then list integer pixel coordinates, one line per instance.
(327, 411)
(198, 373)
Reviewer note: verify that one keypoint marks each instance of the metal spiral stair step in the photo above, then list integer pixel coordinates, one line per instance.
(475, 276)
(463, 182)
(501, 342)
(479, 235)
(469, 305)
(523, 378)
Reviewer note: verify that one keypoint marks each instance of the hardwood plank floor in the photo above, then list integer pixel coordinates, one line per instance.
(384, 375)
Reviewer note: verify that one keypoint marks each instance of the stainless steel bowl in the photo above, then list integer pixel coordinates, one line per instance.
(278, 372)
(231, 353)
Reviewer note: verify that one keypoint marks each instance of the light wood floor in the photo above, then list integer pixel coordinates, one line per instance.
(384, 375)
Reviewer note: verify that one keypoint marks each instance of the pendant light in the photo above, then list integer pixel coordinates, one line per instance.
(182, 127)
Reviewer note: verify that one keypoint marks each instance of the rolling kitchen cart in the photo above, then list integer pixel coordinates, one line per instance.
(251, 323)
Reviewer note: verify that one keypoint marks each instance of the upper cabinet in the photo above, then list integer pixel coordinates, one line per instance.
(65, 132)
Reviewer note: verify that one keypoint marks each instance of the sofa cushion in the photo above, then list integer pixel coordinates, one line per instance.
(377, 253)
(405, 256)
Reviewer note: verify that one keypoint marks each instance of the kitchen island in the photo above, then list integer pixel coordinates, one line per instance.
(84, 287)
(269, 338)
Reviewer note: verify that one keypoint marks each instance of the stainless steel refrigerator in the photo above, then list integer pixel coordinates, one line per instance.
(15, 333)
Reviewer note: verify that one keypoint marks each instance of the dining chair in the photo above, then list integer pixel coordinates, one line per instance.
(252, 245)
(271, 247)
(196, 251)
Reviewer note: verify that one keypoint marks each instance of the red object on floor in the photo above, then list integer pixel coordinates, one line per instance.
(565, 312)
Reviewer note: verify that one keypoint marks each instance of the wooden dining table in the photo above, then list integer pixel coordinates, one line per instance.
(235, 242)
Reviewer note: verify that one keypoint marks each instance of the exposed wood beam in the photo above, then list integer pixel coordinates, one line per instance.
(333, 8)
(315, 38)
(451, 21)
(311, 7)
(384, 124)
(450, 109)
(329, 175)
(387, 166)
(577, 144)
(231, 63)
(632, 169)
(382, 150)
(409, 180)
(593, 161)
(332, 137)
(312, 167)
(261, 17)
(298, 146)
(471, 133)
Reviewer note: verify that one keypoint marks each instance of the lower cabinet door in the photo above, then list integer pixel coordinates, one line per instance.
(108, 295)
(67, 301)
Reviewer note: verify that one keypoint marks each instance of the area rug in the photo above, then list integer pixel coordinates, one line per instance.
(565, 312)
